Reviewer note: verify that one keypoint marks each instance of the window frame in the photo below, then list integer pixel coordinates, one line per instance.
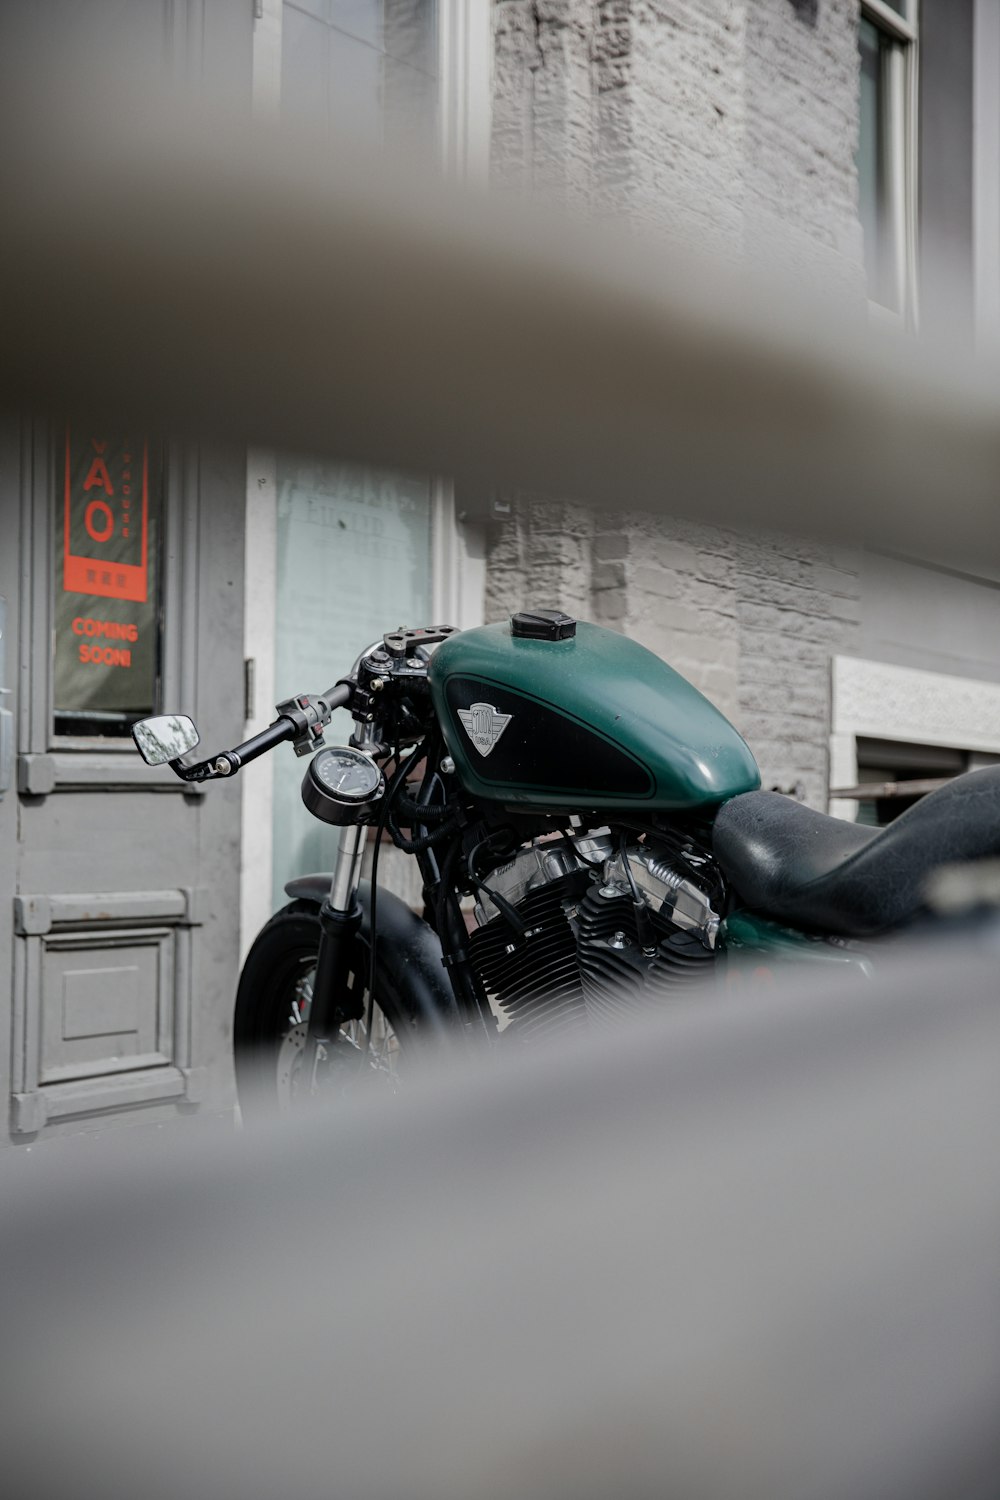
(899, 122)
(47, 760)
(60, 739)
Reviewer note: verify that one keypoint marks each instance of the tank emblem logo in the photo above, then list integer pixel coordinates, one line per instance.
(484, 725)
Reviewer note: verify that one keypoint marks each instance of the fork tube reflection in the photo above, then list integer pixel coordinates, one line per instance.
(347, 868)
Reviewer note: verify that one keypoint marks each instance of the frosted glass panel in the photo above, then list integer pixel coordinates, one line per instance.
(305, 84)
(365, 69)
(354, 560)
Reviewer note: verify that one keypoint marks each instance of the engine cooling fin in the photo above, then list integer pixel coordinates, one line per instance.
(681, 960)
(535, 981)
(617, 978)
(612, 972)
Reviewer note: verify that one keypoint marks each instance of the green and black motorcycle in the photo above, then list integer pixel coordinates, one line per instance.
(591, 837)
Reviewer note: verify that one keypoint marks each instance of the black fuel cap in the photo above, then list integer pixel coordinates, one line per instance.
(542, 625)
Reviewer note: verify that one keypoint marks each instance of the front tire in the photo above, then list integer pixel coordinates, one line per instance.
(272, 1005)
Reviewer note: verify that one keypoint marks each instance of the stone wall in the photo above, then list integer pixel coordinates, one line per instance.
(802, 102)
(731, 124)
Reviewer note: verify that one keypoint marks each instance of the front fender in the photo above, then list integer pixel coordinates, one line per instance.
(409, 952)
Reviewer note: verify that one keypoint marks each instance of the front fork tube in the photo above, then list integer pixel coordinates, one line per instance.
(339, 921)
(470, 996)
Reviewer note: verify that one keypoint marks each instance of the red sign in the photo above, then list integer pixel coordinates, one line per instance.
(106, 528)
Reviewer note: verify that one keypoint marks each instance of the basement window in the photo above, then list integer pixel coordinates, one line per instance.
(894, 775)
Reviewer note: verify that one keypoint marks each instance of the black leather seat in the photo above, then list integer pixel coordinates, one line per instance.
(823, 874)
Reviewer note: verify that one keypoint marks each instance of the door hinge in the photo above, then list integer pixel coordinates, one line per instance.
(6, 749)
(258, 10)
(249, 688)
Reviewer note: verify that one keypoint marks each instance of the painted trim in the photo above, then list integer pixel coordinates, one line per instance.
(266, 65)
(458, 562)
(902, 28)
(906, 703)
(259, 616)
(34, 916)
(31, 1111)
(465, 65)
(78, 767)
(35, 623)
(901, 124)
(986, 169)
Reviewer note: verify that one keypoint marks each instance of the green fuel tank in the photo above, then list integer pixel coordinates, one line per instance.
(564, 716)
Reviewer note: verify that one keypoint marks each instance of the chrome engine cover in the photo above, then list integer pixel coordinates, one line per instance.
(666, 891)
(529, 870)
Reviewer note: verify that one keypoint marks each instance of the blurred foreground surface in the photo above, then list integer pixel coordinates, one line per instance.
(459, 334)
(749, 1250)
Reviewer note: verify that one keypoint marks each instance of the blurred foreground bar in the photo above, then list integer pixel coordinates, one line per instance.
(224, 279)
(748, 1252)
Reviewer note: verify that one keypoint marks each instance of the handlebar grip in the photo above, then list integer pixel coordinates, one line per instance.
(274, 734)
(284, 728)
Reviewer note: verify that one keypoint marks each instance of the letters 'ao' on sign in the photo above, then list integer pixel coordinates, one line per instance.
(106, 518)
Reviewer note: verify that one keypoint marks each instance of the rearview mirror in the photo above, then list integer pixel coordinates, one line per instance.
(167, 737)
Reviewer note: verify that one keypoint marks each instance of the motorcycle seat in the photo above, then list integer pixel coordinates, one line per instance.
(821, 873)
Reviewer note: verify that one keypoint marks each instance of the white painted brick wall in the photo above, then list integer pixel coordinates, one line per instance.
(802, 101)
(719, 121)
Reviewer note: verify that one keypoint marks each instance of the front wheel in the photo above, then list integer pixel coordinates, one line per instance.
(272, 1009)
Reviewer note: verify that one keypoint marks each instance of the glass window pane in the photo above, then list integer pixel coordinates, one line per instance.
(355, 88)
(359, 18)
(305, 83)
(354, 560)
(364, 68)
(408, 112)
(318, 8)
(107, 608)
(411, 33)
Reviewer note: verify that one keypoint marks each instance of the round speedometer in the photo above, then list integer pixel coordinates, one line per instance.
(341, 784)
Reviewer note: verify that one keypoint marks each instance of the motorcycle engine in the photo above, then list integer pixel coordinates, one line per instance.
(607, 931)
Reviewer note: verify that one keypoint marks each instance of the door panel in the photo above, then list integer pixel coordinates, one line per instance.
(107, 1003)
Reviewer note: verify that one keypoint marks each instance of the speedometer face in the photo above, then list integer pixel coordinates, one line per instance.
(346, 773)
(342, 786)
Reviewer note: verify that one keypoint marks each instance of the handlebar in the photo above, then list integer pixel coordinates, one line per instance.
(258, 744)
(339, 695)
(302, 719)
(301, 716)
